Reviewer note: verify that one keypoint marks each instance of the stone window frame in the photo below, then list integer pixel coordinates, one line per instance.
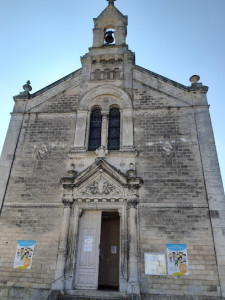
(93, 109)
(104, 96)
(106, 113)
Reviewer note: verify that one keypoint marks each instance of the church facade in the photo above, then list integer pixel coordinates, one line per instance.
(110, 186)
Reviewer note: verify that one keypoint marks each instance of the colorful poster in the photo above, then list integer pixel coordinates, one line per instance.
(88, 244)
(177, 259)
(24, 254)
(155, 264)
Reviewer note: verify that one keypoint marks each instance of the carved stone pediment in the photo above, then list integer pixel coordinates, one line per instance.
(101, 186)
(100, 181)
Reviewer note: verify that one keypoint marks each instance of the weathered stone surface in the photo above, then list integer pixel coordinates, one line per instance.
(164, 181)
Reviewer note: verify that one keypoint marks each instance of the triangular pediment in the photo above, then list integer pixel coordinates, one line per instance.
(111, 12)
(101, 181)
(100, 166)
(101, 185)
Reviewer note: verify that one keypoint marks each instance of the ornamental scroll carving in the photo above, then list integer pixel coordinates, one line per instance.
(167, 148)
(100, 187)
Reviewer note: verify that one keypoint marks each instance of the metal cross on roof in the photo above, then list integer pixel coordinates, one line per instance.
(111, 1)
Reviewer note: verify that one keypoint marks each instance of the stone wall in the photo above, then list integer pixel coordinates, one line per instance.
(32, 208)
(190, 226)
(173, 199)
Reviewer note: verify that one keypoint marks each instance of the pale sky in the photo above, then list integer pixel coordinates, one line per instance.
(43, 40)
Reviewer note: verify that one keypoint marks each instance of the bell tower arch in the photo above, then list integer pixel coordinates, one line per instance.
(110, 27)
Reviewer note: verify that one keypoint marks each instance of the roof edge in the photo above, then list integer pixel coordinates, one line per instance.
(48, 87)
(165, 79)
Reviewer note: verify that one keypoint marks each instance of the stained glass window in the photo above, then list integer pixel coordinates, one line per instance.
(114, 129)
(95, 130)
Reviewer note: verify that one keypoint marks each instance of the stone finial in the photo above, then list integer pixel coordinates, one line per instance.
(194, 79)
(27, 87)
(111, 2)
(25, 94)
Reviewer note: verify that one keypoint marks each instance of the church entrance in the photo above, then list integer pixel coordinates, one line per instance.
(97, 263)
(108, 277)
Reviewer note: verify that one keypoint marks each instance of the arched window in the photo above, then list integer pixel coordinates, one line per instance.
(107, 74)
(114, 129)
(116, 74)
(95, 130)
(97, 74)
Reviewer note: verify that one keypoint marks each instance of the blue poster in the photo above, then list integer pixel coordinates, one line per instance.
(177, 259)
(24, 254)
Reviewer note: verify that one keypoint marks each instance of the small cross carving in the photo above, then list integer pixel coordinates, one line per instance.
(111, 2)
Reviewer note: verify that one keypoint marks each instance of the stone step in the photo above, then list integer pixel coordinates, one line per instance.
(95, 295)
(89, 298)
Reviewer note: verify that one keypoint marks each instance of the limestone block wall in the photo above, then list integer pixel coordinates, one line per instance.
(174, 174)
(32, 207)
(173, 200)
(29, 223)
(190, 226)
(35, 178)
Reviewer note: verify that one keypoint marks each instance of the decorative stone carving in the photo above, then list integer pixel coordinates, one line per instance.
(67, 202)
(122, 163)
(68, 195)
(101, 187)
(101, 152)
(167, 148)
(105, 100)
(81, 164)
(42, 151)
(133, 202)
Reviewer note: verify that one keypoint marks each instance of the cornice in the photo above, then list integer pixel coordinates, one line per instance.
(172, 205)
(33, 205)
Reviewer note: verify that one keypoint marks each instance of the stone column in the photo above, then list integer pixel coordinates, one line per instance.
(133, 284)
(104, 133)
(59, 282)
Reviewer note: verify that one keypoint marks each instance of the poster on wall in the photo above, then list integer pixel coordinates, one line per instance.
(177, 259)
(155, 264)
(24, 254)
(88, 244)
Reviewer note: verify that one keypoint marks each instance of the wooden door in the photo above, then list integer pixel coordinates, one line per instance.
(109, 252)
(87, 263)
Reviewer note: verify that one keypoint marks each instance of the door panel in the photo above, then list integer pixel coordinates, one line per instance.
(87, 262)
(109, 252)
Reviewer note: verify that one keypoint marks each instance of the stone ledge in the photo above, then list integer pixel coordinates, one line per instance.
(177, 297)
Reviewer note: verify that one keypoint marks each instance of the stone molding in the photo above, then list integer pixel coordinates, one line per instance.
(104, 200)
(33, 205)
(100, 200)
(172, 205)
(106, 90)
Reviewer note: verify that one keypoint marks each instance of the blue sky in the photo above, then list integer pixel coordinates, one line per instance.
(43, 40)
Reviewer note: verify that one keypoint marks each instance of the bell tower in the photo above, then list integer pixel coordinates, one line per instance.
(110, 27)
(109, 61)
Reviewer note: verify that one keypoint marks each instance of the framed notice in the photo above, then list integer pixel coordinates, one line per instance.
(88, 244)
(24, 254)
(155, 264)
(177, 259)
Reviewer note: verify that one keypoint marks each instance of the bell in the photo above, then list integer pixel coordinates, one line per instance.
(109, 37)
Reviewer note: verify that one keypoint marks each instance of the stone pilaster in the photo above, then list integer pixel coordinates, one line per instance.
(59, 282)
(214, 187)
(133, 283)
(80, 131)
(11, 140)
